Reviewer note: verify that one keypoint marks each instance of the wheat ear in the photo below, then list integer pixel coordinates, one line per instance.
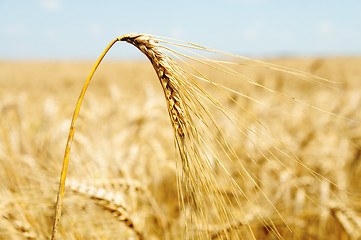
(109, 201)
(197, 175)
(166, 74)
(208, 203)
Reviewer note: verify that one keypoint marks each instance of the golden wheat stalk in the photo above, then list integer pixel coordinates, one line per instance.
(220, 187)
(168, 74)
(69, 143)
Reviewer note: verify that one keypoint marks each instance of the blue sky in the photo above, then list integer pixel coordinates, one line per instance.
(80, 29)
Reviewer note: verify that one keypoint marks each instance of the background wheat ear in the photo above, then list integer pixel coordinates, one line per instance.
(109, 201)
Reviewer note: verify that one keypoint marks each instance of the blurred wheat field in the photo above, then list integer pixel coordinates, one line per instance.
(122, 177)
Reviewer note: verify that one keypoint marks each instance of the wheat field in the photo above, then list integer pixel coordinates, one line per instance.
(122, 181)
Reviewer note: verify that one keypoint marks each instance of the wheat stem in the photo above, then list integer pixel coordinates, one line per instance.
(69, 143)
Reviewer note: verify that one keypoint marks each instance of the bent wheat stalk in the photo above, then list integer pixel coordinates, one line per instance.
(217, 186)
(169, 76)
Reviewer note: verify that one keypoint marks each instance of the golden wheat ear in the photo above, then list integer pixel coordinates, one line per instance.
(199, 189)
(225, 190)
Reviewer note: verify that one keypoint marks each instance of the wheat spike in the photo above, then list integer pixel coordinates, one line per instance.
(168, 78)
(202, 191)
(110, 201)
